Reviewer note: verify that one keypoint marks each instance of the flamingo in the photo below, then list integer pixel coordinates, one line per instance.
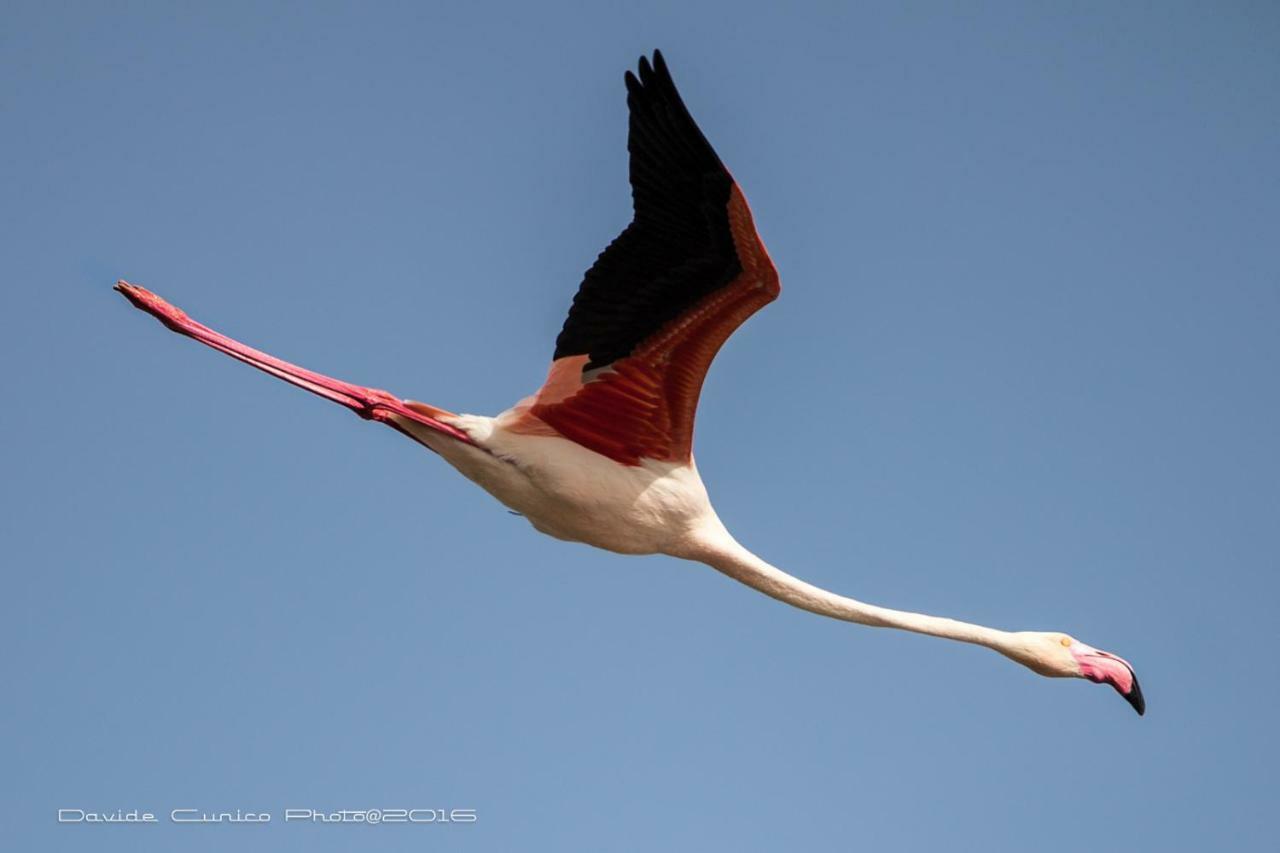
(602, 453)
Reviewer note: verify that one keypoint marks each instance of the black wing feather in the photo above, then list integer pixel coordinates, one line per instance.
(678, 247)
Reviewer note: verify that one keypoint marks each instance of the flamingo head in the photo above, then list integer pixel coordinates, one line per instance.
(1058, 655)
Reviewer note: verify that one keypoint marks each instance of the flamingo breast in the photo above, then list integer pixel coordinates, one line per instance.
(569, 492)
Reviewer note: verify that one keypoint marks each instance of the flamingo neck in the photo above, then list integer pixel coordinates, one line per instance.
(718, 549)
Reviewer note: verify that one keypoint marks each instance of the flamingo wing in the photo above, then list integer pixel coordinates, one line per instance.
(654, 310)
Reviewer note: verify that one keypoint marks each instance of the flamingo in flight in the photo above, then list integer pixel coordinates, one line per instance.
(602, 452)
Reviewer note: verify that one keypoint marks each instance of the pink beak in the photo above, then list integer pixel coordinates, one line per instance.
(1106, 668)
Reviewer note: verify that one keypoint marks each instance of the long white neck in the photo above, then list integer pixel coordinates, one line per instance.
(718, 549)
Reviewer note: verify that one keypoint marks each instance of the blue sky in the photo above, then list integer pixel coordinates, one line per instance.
(1022, 372)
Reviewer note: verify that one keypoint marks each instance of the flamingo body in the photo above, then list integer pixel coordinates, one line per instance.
(602, 453)
(572, 493)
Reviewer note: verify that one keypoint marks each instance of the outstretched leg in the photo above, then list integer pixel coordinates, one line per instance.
(368, 403)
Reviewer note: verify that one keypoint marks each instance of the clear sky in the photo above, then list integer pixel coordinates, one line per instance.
(1023, 372)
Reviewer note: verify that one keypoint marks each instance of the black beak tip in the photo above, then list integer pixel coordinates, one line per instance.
(1134, 696)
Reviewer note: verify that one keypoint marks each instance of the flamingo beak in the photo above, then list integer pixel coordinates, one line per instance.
(1134, 696)
(1106, 668)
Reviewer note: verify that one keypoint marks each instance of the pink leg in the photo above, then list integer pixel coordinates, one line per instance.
(368, 403)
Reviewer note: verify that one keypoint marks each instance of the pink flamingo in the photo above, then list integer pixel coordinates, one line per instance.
(602, 453)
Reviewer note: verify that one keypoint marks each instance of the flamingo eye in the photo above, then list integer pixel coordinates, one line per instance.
(1066, 641)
